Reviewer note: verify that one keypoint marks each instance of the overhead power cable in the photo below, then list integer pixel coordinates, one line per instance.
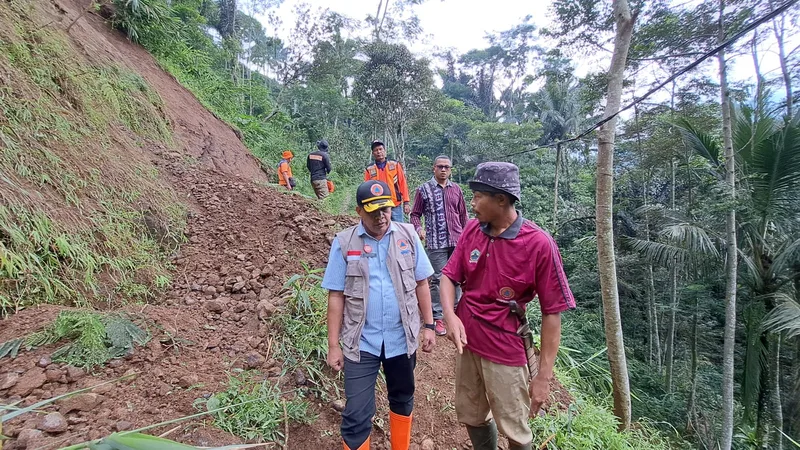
(750, 27)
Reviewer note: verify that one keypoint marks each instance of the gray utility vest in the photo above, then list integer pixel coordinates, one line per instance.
(400, 263)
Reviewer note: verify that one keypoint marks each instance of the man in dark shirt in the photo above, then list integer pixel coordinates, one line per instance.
(319, 165)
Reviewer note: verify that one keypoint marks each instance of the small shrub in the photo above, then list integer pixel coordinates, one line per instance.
(257, 409)
(304, 330)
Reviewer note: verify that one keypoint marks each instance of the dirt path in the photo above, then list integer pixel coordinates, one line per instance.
(245, 240)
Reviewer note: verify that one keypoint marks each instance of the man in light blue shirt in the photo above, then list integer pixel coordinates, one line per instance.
(377, 277)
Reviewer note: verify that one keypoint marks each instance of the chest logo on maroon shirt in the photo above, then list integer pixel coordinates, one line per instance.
(506, 293)
(474, 255)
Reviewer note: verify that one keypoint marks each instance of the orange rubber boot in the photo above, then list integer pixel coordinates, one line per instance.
(400, 428)
(364, 446)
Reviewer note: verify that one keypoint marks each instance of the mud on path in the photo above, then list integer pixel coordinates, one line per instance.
(244, 241)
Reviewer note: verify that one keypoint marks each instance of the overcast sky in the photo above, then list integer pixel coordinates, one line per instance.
(463, 25)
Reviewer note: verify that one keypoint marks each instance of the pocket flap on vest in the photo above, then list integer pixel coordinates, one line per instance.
(354, 280)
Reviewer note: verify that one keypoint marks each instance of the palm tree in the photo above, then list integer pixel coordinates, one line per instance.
(559, 106)
(768, 168)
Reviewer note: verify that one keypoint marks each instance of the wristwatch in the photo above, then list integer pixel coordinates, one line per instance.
(430, 326)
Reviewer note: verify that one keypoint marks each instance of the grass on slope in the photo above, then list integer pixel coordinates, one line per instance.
(84, 215)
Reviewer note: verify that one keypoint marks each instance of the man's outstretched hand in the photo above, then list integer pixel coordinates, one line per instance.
(539, 390)
(456, 332)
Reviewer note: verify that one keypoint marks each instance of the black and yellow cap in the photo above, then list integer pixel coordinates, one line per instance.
(373, 195)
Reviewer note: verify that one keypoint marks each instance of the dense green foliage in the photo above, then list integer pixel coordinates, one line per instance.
(493, 103)
(669, 203)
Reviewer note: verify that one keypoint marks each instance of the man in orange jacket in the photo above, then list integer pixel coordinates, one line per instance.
(285, 177)
(390, 172)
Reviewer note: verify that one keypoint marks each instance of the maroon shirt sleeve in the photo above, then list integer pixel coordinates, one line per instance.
(552, 288)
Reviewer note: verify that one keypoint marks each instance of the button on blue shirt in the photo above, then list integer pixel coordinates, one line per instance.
(383, 325)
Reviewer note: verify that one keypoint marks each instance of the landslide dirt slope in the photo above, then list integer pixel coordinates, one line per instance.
(240, 232)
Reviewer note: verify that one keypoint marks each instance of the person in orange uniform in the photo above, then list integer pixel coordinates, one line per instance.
(285, 177)
(390, 172)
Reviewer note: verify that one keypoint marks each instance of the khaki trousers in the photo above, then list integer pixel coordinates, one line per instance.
(320, 188)
(485, 389)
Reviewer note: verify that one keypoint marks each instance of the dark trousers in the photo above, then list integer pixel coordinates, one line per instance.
(359, 388)
(439, 258)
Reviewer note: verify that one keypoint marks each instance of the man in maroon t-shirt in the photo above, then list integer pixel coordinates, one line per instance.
(501, 257)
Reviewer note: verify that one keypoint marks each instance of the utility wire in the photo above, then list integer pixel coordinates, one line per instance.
(753, 25)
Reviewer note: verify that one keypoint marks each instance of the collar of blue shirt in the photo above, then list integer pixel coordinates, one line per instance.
(362, 231)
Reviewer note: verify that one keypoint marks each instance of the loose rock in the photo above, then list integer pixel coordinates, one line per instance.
(265, 309)
(53, 374)
(338, 405)
(53, 423)
(27, 435)
(253, 360)
(114, 363)
(187, 381)
(427, 444)
(80, 402)
(214, 306)
(74, 374)
(32, 379)
(123, 425)
(300, 378)
(44, 361)
(8, 380)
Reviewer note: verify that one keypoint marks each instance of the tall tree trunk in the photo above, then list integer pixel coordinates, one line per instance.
(655, 339)
(787, 76)
(731, 246)
(673, 306)
(607, 266)
(555, 188)
(775, 406)
(757, 67)
(669, 352)
(690, 409)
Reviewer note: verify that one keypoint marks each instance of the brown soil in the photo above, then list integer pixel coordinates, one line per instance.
(245, 240)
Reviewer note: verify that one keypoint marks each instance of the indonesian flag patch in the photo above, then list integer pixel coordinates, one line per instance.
(353, 255)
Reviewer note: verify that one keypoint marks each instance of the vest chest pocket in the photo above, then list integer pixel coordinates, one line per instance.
(354, 280)
(407, 273)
